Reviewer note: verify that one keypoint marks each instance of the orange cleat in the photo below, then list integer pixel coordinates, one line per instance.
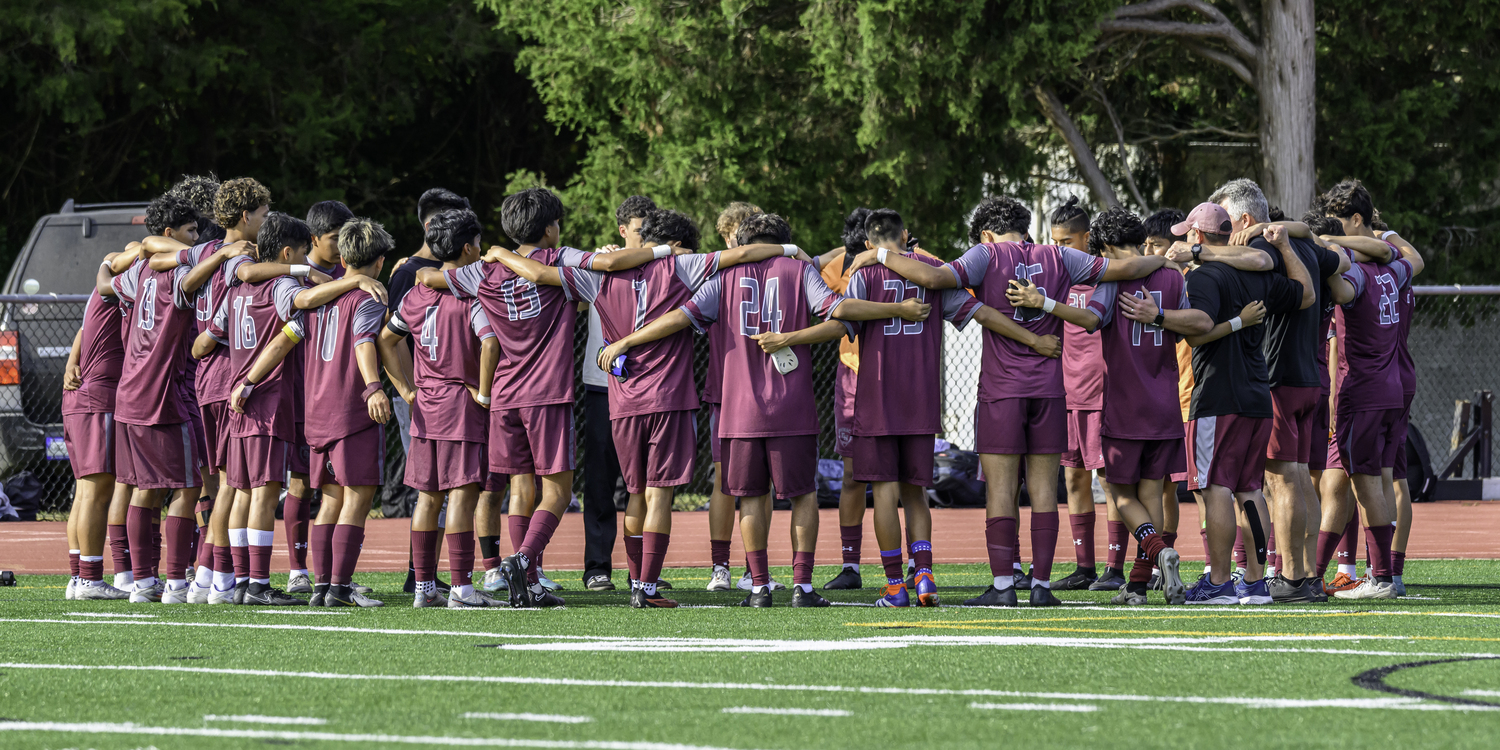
(1341, 582)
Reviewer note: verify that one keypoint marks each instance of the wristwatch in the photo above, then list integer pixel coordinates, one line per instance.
(1161, 317)
(1197, 251)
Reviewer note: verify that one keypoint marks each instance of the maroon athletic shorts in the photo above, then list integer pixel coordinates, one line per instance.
(161, 456)
(91, 443)
(1294, 423)
(1130, 461)
(753, 465)
(532, 440)
(1332, 460)
(216, 429)
(1084, 450)
(713, 432)
(256, 461)
(356, 460)
(1182, 476)
(1228, 451)
(845, 380)
(655, 450)
(300, 461)
(894, 458)
(1369, 440)
(1318, 461)
(438, 465)
(494, 482)
(200, 433)
(1398, 470)
(1019, 426)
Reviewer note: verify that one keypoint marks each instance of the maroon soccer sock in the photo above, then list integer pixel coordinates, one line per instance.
(890, 559)
(1328, 542)
(205, 554)
(1169, 538)
(1082, 526)
(119, 547)
(1379, 540)
(348, 540)
(91, 569)
(138, 530)
(224, 560)
(802, 567)
(515, 527)
(719, 551)
(1140, 572)
(1348, 540)
(851, 537)
(543, 523)
(653, 555)
(1398, 563)
(921, 554)
(461, 558)
(1240, 556)
(634, 548)
(1044, 529)
(73, 563)
(180, 533)
(240, 554)
(424, 554)
(759, 566)
(1118, 536)
(998, 533)
(294, 522)
(156, 542)
(320, 544)
(261, 541)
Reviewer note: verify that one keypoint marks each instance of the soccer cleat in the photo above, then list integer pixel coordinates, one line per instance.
(663, 585)
(494, 580)
(68, 592)
(1369, 588)
(926, 589)
(1341, 582)
(1399, 585)
(1110, 581)
(641, 600)
(362, 590)
(198, 594)
(320, 599)
(144, 594)
(433, 599)
(1041, 596)
(847, 579)
(514, 574)
(1285, 591)
(599, 582)
(993, 597)
(1078, 579)
(1156, 583)
(746, 584)
(1169, 563)
(176, 596)
(719, 581)
(366, 602)
(1128, 597)
(266, 595)
(98, 591)
(472, 601)
(1207, 592)
(761, 599)
(216, 596)
(1253, 593)
(124, 581)
(547, 583)
(1023, 580)
(299, 583)
(239, 591)
(541, 597)
(802, 598)
(894, 595)
(1238, 575)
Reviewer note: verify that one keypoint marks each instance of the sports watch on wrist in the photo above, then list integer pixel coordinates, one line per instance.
(1161, 317)
(1197, 251)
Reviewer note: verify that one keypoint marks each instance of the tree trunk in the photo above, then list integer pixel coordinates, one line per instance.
(1285, 82)
(1062, 122)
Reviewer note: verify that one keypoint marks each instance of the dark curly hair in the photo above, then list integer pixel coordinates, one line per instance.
(437, 200)
(236, 197)
(634, 207)
(854, 230)
(1071, 216)
(1275, 214)
(999, 215)
(198, 190)
(1347, 199)
(1321, 225)
(526, 215)
(764, 228)
(169, 212)
(363, 241)
(1117, 227)
(280, 230)
(449, 231)
(1160, 224)
(662, 225)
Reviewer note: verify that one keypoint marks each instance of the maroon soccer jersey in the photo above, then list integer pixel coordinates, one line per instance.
(1082, 358)
(210, 374)
(1010, 369)
(336, 272)
(1327, 333)
(713, 376)
(1140, 360)
(534, 324)
(161, 315)
(101, 356)
(771, 296)
(899, 378)
(334, 384)
(1403, 354)
(661, 372)
(253, 316)
(449, 331)
(1369, 333)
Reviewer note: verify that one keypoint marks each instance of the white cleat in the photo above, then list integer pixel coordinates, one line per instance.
(745, 584)
(434, 599)
(216, 596)
(176, 596)
(473, 601)
(299, 583)
(1369, 588)
(1171, 578)
(547, 583)
(98, 591)
(68, 592)
(144, 594)
(494, 580)
(198, 594)
(720, 580)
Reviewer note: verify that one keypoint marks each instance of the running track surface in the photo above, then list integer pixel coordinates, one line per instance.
(1457, 529)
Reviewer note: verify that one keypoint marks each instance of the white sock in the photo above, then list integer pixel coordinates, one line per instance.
(1041, 584)
(806, 587)
(261, 537)
(125, 579)
(1004, 582)
(1020, 571)
(1348, 570)
(145, 583)
(426, 587)
(463, 592)
(176, 584)
(1207, 569)
(238, 580)
(649, 588)
(239, 537)
(223, 581)
(261, 581)
(204, 577)
(757, 589)
(854, 567)
(300, 572)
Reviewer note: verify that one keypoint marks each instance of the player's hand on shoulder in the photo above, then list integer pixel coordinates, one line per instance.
(805, 258)
(72, 378)
(1244, 236)
(1048, 346)
(770, 343)
(1024, 294)
(1253, 313)
(399, 263)
(379, 406)
(607, 249)
(238, 249)
(915, 310)
(373, 288)
(1275, 234)
(866, 258)
(1180, 252)
(1142, 309)
(316, 277)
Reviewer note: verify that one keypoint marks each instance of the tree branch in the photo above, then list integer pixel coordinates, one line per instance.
(1227, 60)
(1062, 122)
(1153, 7)
(1135, 191)
(1187, 132)
(1251, 22)
(1225, 32)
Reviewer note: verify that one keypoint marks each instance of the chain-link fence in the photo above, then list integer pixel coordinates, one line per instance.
(1453, 340)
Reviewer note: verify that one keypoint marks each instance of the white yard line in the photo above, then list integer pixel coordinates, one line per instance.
(785, 711)
(1081, 708)
(256, 719)
(111, 614)
(371, 739)
(313, 611)
(552, 718)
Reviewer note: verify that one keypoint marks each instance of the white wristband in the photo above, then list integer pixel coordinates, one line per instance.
(880, 255)
(661, 251)
(1235, 323)
(789, 251)
(301, 271)
(1047, 304)
(485, 400)
(1387, 234)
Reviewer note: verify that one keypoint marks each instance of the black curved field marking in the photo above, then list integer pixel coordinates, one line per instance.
(1374, 679)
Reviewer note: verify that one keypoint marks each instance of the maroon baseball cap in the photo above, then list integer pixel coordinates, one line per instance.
(1210, 218)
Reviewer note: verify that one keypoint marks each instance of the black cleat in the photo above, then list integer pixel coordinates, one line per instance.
(239, 591)
(320, 591)
(1023, 580)
(641, 600)
(1112, 580)
(1043, 597)
(802, 598)
(1284, 591)
(266, 595)
(993, 597)
(762, 599)
(847, 579)
(1077, 580)
(515, 580)
(543, 598)
(338, 596)
(663, 585)
(410, 586)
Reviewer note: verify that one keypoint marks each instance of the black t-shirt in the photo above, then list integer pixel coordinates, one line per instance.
(1230, 374)
(1292, 338)
(402, 280)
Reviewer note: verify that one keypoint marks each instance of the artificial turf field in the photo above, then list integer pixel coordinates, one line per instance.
(1421, 671)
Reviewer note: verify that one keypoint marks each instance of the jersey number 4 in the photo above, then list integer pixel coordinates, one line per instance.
(429, 336)
(1137, 327)
(766, 308)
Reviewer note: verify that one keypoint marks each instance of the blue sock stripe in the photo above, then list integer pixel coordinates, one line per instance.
(890, 552)
(921, 546)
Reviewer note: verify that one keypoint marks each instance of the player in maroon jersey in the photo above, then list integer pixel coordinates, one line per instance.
(1009, 428)
(768, 426)
(155, 446)
(456, 349)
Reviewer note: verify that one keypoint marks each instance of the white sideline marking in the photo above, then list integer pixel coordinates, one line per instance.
(313, 611)
(372, 739)
(786, 711)
(1081, 708)
(256, 719)
(110, 614)
(1483, 693)
(554, 718)
(1251, 702)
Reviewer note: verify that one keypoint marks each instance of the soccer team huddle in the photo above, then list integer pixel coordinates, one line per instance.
(235, 356)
